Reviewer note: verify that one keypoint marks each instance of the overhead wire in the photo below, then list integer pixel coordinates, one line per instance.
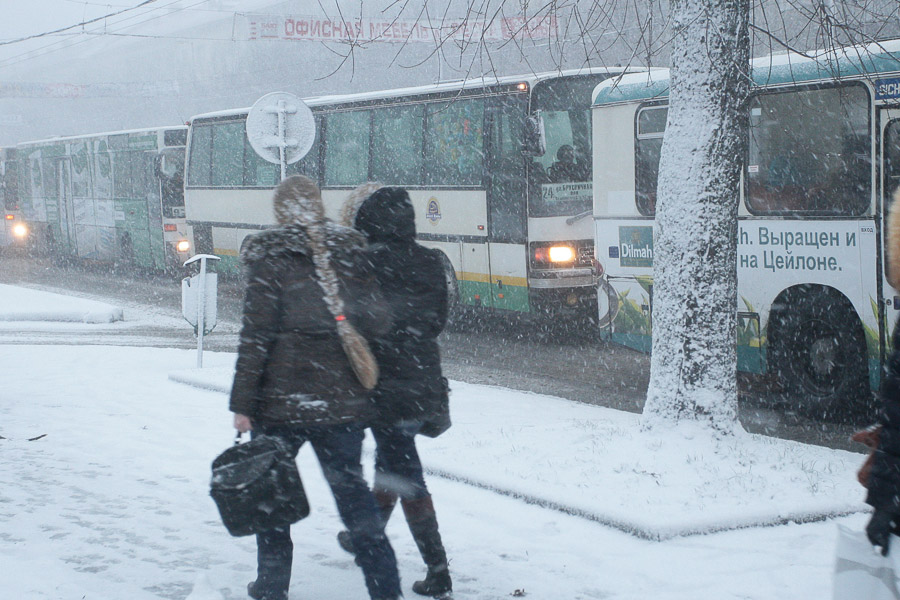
(66, 43)
(81, 24)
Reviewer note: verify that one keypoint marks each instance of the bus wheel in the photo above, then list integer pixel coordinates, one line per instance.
(455, 312)
(820, 356)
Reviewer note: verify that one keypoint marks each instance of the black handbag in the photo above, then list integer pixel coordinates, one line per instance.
(256, 486)
(439, 422)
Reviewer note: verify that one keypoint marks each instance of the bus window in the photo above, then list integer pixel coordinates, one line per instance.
(454, 143)
(810, 152)
(309, 164)
(201, 155)
(567, 161)
(81, 174)
(9, 185)
(228, 154)
(123, 183)
(102, 173)
(171, 173)
(347, 148)
(651, 125)
(259, 172)
(506, 173)
(891, 160)
(397, 145)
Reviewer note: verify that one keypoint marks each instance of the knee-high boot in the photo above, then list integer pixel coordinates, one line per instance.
(385, 501)
(423, 525)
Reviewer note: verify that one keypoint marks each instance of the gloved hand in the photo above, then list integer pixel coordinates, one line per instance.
(879, 529)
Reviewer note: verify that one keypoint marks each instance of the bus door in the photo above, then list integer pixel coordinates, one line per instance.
(889, 122)
(67, 242)
(507, 243)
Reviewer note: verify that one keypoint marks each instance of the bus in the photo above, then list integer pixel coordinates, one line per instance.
(498, 171)
(814, 310)
(109, 198)
(14, 231)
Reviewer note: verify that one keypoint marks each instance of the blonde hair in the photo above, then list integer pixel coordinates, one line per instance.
(298, 200)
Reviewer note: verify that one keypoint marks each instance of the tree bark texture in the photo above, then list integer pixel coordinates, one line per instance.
(694, 363)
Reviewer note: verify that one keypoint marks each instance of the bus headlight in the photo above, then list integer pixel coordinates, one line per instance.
(20, 230)
(183, 246)
(562, 254)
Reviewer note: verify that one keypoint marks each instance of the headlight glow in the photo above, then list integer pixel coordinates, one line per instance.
(562, 254)
(183, 246)
(19, 230)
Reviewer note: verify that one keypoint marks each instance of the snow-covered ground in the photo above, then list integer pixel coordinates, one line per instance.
(111, 501)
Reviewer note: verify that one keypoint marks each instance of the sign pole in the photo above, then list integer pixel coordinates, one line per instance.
(201, 310)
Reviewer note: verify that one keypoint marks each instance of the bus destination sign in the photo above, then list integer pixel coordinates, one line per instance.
(886, 89)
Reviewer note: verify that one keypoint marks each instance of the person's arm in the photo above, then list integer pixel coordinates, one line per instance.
(884, 476)
(261, 322)
(364, 303)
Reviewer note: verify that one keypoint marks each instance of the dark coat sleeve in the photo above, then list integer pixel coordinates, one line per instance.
(429, 316)
(261, 324)
(364, 303)
(884, 480)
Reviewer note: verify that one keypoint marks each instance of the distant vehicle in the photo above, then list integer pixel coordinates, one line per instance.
(14, 231)
(814, 307)
(498, 170)
(113, 197)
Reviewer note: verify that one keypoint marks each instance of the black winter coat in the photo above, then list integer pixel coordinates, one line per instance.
(291, 367)
(413, 282)
(884, 479)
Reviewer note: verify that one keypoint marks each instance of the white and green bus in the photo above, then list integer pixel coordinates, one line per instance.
(814, 308)
(498, 171)
(114, 197)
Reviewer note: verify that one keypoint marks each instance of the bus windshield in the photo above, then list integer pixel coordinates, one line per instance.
(560, 180)
(171, 174)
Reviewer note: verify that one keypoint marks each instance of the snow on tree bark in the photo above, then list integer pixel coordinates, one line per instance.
(693, 365)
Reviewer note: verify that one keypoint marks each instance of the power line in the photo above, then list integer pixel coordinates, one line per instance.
(61, 44)
(83, 23)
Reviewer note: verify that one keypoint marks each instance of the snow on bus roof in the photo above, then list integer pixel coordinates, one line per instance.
(827, 64)
(461, 84)
(69, 138)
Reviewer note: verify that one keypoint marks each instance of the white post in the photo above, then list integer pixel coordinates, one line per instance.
(281, 134)
(201, 310)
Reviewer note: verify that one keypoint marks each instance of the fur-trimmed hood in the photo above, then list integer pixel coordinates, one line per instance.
(294, 239)
(351, 205)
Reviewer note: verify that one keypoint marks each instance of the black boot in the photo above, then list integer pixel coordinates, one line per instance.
(423, 525)
(385, 501)
(254, 591)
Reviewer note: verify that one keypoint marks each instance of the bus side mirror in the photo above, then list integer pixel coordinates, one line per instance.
(534, 142)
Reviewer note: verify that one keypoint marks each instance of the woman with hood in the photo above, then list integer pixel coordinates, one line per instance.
(293, 379)
(411, 389)
(881, 474)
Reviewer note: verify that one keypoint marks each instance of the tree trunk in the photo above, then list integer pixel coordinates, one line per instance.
(694, 362)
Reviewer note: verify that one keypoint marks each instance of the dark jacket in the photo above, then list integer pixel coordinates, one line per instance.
(884, 477)
(291, 366)
(412, 279)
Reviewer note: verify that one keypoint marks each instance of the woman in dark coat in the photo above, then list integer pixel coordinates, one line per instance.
(293, 378)
(411, 389)
(884, 476)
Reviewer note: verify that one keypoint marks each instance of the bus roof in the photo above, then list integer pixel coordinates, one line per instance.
(71, 138)
(449, 86)
(791, 67)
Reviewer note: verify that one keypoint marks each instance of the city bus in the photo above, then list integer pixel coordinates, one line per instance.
(814, 310)
(498, 170)
(14, 231)
(113, 198)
